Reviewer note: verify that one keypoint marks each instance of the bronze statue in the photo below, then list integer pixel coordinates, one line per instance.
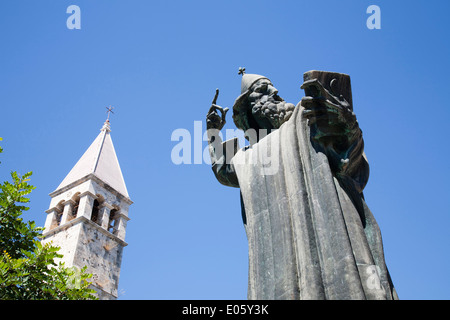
(310, 233)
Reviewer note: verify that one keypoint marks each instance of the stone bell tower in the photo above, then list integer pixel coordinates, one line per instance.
(88, 215)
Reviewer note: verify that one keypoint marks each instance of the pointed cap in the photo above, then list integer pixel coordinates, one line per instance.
(240, 107)
(248, 80)
(99, 159)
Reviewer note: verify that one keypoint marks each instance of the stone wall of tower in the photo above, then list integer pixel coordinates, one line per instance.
(103, 256)
(67, 239)
(85, 243)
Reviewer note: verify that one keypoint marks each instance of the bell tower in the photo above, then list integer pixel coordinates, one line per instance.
(88, 215)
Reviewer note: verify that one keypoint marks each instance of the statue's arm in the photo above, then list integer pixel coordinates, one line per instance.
(353, 161)
(335, 130)
(219, 152)
(221, 155)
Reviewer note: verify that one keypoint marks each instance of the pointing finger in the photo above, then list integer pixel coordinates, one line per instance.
(215, 96)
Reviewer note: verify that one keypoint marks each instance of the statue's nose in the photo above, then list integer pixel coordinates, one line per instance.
(273, 90)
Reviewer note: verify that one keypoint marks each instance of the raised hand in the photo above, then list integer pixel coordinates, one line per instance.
(330, 114)
(213, 119)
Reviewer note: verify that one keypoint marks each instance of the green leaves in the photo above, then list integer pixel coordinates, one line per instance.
(29, 269)
(36, 276)
(15, 234)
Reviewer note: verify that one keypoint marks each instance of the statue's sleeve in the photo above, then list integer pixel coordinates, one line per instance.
(221, 155)
(355, 164)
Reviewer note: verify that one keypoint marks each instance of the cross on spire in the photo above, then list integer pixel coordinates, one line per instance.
(109, 111)
(241, 71)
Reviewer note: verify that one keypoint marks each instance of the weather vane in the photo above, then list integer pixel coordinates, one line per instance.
(109, 111)
(241, 71)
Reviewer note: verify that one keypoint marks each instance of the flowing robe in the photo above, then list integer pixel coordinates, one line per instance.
(310, 233)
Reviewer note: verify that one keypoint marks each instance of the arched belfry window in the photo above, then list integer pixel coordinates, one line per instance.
(95, 211)
(95, 216)
(76, 200)
(113, 221)
(58, 214)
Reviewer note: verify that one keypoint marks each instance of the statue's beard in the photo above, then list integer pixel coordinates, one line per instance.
(271, 111)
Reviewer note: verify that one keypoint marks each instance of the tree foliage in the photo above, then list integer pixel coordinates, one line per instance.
(27, 267)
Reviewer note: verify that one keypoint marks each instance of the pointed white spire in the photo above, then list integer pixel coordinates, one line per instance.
(99, 159)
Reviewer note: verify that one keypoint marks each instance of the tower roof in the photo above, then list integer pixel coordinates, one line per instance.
(99, 159)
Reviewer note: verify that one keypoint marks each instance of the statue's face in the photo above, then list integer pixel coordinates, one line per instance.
(267, 108)
(263, 87)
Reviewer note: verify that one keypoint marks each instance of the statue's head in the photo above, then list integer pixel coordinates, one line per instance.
(259, 106)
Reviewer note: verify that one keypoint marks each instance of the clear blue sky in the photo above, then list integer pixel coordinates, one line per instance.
(159, 62)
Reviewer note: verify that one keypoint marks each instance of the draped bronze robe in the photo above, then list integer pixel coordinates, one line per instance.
(310, 234)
